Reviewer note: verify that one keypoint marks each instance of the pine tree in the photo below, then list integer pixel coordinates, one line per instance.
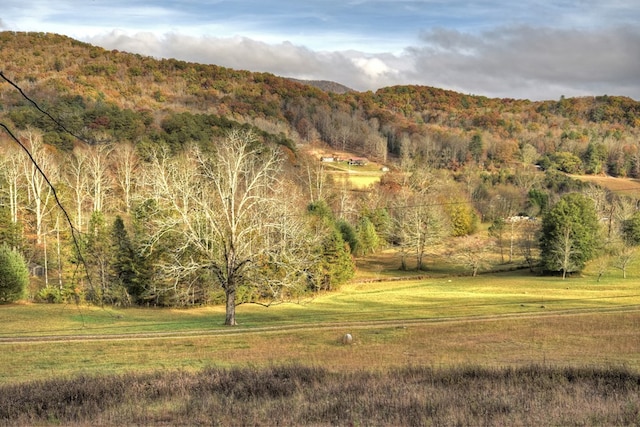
(367, 237)
(337, 265)
(124, 261)
(569, 234)
(14, 275)
(97, 258)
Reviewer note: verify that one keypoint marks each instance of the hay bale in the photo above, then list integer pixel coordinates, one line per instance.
(347, 339)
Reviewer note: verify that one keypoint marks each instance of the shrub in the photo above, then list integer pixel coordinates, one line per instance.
(49, 294)
(14, 275)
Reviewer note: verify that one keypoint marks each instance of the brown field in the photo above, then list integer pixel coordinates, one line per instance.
(630, 186)
(434, 347)
(300, 395)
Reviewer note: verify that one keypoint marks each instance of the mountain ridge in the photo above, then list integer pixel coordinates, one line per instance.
(429, 125)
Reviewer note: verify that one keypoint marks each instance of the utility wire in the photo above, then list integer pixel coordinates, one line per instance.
(67, 217)
(37, 107)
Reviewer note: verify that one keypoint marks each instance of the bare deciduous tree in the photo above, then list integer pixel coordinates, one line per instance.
(77, 179)
(10, 165)
(125, 163)
(563, 252)
(224, 216)
(98, 172)
(39, 191)
(473, 253)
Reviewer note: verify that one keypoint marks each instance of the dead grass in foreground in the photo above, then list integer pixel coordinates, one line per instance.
(298, 395)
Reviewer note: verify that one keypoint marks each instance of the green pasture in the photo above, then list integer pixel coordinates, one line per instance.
(444, 297)
(358, 177)
(501, 319)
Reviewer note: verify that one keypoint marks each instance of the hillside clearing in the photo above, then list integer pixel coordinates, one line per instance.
(629, 186)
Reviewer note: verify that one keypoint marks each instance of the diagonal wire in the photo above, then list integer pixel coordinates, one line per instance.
(37, 107)
(67, 217)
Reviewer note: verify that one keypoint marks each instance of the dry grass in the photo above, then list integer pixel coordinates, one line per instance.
(629, 186)
(590, 339)
(298, 395)
(357, 179)
(501, 349)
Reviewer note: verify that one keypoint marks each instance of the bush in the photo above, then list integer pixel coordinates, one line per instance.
(14, 275)
(49, 294)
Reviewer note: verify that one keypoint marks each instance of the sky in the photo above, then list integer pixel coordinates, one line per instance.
(533, 49)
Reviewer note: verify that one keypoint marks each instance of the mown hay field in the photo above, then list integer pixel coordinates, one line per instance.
(505, 319)
(510, 348)
(629, 186)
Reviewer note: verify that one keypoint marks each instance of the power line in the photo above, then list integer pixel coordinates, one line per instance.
(67, 217)
(37, 107)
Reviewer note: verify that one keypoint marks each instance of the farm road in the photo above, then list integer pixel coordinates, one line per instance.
(341, 326)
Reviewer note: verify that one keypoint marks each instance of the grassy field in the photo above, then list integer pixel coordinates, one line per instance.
(301, 395)
(358, 177)
(629, 186)
(432, 348)
(506, 319)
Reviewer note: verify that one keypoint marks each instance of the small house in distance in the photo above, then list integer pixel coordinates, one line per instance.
(327, 159)
(36, 270)
(358, 161)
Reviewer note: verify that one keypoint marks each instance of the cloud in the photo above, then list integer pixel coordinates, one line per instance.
(516, 62)
(284, 59)
(538, 63)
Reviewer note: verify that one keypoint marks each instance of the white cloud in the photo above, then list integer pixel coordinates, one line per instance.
(539, 49)
(372, 67)
(533, 62)
(516, 62)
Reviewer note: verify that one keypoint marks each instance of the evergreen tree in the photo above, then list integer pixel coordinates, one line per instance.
(631, 229)
(9, 231)
(594, 158)
(124, 262)
(569, 234)
(538, 201)
(367, 237)
(320, 209)
(476, 147)
(336, 266)
(349, 235)
(14, 275)
(97, 258)
(382, 223)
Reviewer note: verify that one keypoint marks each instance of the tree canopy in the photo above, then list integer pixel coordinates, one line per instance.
(14, 275)
(570, 231)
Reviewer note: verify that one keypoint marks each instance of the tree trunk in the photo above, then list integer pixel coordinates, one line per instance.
(403, 263)
(230, 319)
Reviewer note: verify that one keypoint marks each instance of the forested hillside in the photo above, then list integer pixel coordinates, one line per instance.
(135, 154)
(119, 97)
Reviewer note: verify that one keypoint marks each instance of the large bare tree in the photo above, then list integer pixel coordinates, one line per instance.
(223, 215)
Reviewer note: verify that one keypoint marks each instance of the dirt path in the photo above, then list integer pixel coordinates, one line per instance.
(239, 330)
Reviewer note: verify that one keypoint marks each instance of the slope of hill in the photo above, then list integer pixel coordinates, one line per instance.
(325, 85)
(121, 96)
(468, 159)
